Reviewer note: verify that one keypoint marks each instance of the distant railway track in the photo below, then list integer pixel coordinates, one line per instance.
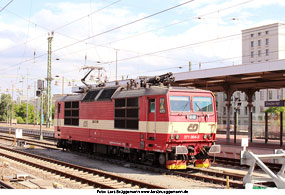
(29, 132)
(41, 144)
(236, 162)
(98, 179)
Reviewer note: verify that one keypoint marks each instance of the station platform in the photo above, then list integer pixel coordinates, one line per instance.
(258, 146)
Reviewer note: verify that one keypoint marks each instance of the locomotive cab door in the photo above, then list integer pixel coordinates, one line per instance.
(151, 119)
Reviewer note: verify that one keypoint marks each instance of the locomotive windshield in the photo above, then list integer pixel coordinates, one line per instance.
(180, 103)
(203, 104)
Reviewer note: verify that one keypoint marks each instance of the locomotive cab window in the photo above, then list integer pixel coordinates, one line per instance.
(127, 113)
(152, 105)
(203, 104)
(180, 103)
(71, 113)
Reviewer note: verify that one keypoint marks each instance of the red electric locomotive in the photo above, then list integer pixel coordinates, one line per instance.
(148, 122)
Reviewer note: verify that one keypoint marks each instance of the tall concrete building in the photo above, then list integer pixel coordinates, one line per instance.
(263, 43)
(259, 44)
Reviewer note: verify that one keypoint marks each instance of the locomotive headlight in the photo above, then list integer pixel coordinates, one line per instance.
(177, 137)
(209, 136)
(192, 116)
(205, 136)
(171, 137)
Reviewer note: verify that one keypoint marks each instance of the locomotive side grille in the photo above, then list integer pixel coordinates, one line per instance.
(127, 113)
(71, 113)
(181, 150)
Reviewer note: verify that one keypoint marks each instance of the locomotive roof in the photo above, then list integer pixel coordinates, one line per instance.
(128, 93)
(154, 90)
(140, 92)
(78, 97)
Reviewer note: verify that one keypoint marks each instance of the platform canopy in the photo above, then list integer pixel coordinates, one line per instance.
(269, 74)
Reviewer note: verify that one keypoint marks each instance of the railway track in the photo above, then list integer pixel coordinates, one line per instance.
(30, 132)
(205, 175)
(4, 185)
(41, 144)
(196, 174)
(213, 176)
(95, 178)
(236, 163)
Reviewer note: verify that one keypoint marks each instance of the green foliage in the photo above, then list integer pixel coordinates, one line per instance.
(5, 102)
(21, 112)
(275, 109)
(20, 120)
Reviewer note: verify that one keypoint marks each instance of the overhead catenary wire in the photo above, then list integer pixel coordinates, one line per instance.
(124, 25)
(91, 13)
(57, 28)
(157, 70)
(6, 5)
(179, 22)
(116, 28)
(199, 63)
(102, 45)
(148, 54)
(164, 50)
(147, 16)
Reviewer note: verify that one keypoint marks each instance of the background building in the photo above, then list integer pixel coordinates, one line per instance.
(259, 44)
(263, 43)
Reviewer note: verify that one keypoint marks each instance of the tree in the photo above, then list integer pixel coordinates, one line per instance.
(21, 113)
(5, 102)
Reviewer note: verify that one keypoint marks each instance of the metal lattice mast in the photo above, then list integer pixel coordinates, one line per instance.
(49, 79)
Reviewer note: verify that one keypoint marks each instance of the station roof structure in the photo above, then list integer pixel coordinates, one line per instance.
(269, 74)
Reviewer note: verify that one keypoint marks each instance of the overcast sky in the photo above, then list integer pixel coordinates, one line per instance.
(90, 31)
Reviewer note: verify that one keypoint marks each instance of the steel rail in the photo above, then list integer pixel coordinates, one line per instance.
(206, 175)
(5, 185)
(79, 168)
(205, 178)
(236, 162)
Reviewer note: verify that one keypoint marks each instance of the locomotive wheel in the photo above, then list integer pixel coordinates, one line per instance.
(162, 160)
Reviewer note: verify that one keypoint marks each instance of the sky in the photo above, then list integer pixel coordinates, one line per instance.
(143, 38)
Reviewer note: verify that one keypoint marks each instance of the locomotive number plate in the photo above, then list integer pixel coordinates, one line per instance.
(192, 127)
